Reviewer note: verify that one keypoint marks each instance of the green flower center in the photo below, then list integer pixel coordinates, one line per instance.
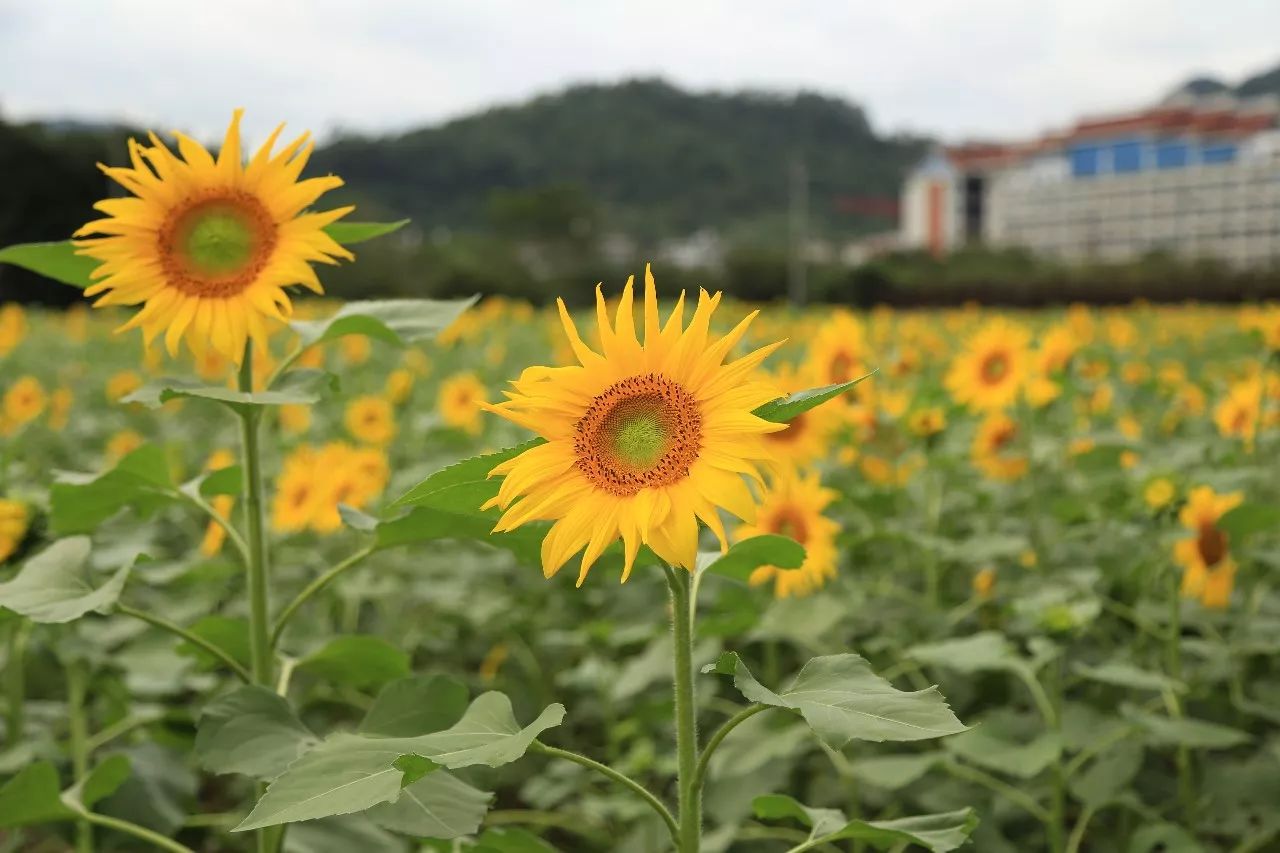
(640, 440)
(218, 240)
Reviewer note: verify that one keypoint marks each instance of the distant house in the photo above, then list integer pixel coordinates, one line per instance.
(1193, 176)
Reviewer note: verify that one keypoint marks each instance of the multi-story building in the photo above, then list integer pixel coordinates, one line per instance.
(1197, 178)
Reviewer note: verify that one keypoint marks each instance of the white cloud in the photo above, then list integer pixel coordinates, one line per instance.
(956, 67)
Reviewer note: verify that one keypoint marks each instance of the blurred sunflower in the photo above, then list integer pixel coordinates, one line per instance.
(838, 351)
(13, 327)
(927, 422)
(207, 247)
(993, 446)
(399, 385)
(371, 420)
(792, 505)
(215, 534)
(460, 400)
(1208, 569)
(989, 372)
(642, 441)
(122, 384)
(1236, 416)
(122, 443)
(23, 402)
(1159, 493)
(806, 437)
(14, 520)
(312, 483)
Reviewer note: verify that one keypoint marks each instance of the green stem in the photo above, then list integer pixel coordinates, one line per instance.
(15, 681)
(704, 761)
(314, 587)
(622, 779)
(194, 639)
(257, 568)
(233, 535)
(136, 831)
(690, 838)
(1058, 807)
(1014, 795)
(78, 728)
(1186, 787)
(1077, 832)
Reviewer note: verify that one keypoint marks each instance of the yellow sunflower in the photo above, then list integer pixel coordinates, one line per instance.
(990, 371)
(642, 441)
(806, 437)
(24, 401)
(370, 419)
(1208, 569)
(792, 506)
(13, 327)
(207, 246)
(215, 534)
(459, 401)
(994, 449)
(1159, 493)
(14, 519)
(1237, 415)
(839, 352)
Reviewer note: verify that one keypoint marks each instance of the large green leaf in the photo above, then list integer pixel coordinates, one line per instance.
(937, 832)
(464, 484)
(746, 556)
(892, 772)
(792, 406)
(984, 747)
(231, 635)
(842, 700)
(52, 586)
(432, 523)
(57, 261)
(416, 705)
(33, 796)
(439, 805)
(251, 731)
(1124, 674)
(357, 660)
(398, 322)
(297, 387)
(987, 651)
(1109, 775)
(352, 772)
(78, 503)
(1249, 518)
(1196, 734)
(350, 233)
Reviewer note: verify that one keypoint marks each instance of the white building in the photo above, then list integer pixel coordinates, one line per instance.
(1195, 178)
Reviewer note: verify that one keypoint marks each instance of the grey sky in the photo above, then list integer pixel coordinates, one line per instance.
(961, 68)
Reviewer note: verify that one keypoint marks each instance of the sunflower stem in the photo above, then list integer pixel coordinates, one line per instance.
(688, 784)
(15, 681)
(78, 729)
(256, 565)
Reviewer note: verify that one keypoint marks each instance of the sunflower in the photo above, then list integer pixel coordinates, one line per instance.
(838, 352)
(792, 506)
(927, 422)
(371, 420)
(1159, 493)
(1057, 347)
(295, 418)
(1237, 415)
(459, 401)
(642, 441)
(399, 385)
(14, 520)
(312, 483)
(1208, 569)
(215, 534)
(997, 435)
(207, 246)
(13, 327)
(122, 384)
(24, 401)
(990, 371)
(122, 443)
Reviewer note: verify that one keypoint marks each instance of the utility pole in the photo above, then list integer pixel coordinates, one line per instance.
(798, 195)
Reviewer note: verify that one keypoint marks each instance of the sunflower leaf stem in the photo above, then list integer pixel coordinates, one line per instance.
(140, 832)
(690, 794)
(617, 776)
(704, 760)
(256, 566)
(15, 680)
(194, 639)
(314, 587)
(241, 546)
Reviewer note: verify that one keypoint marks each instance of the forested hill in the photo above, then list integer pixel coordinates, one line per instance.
(649, 158)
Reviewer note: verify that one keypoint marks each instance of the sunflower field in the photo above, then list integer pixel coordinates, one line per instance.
(281, 574)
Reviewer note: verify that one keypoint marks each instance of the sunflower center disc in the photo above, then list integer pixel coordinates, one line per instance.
(217, 246)
(994, 367)
(790, 523)
(1212, 545)
(640, 432)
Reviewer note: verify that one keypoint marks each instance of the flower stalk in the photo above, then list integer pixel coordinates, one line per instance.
(688, 785)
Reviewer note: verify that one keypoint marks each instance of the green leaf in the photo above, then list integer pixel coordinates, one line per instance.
(988, 651)
(788, 408)
(431, 523)
(1109, 775)
(746, 556)
(357, 660)
(33, 796)
(983, 747)
(250, 731)
(78, 503)
(936, 832)
(1250, 518)
(487, 734)
(1163, 838)
(345, 773)
(842, 700)
(230, 635)
(356, 519)
(502, 839)
(1196, 734)
(224, 481)
(51, 587)
(892, 772)
(298, 387)
(463, 484)
(57, 261)
(1124, 674)
(350, 233)
(439, 805)
(351, 772)
(102, 781)
(416, 705)
(398, 322)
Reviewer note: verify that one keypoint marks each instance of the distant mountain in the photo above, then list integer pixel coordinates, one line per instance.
(1265, 83)
(654, 160)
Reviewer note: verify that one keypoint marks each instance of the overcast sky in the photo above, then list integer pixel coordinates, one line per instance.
(959, 68)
